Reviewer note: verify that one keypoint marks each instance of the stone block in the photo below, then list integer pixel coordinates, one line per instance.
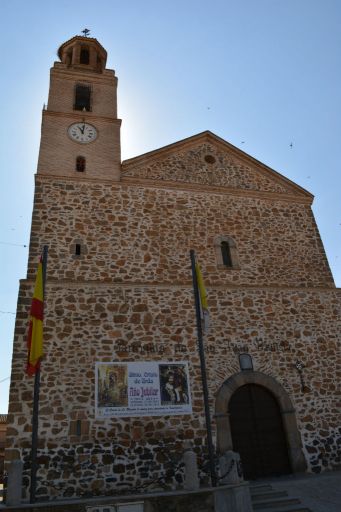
(234, 499)
(14, 483)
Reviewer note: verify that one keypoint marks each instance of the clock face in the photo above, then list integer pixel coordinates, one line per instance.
(82, 132)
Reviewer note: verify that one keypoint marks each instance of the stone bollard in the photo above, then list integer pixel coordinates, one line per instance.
(235, 497)
(191, 469)
(14, 483)
(230, 471)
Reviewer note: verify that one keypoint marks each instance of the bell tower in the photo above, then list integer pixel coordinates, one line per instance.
(80, 130)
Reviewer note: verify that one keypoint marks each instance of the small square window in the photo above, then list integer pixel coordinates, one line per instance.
(80, 164)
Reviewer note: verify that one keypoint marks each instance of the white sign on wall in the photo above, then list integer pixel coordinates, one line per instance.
(142, 389)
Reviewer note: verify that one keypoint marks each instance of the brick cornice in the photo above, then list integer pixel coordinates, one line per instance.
(84, 75)
(181, 187)
(76, 115)
(180, 285)
(219, 190)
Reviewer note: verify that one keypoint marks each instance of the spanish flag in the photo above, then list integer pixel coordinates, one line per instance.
(35, 331)
(205, 317)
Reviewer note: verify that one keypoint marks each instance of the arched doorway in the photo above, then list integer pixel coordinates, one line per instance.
(257, 432)
(286, 410)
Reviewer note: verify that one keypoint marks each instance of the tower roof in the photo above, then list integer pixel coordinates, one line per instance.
(81, 39)
(84, 53)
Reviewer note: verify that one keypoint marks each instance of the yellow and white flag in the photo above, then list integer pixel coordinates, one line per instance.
(205, 317)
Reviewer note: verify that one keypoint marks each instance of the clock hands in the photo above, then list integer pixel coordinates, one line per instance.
(86, 133)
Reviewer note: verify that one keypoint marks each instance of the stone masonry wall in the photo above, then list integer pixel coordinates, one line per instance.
(129, 296)
(89, 323)
(223, 168)
(139, 234)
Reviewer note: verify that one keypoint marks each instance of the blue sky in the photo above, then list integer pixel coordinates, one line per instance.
(261, 74)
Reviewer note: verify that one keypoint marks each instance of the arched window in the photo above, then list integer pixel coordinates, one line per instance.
(82, 97)
(226, 252)
(84, 56)
(80, 163)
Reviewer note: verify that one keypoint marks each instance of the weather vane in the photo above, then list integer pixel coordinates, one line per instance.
(86, 32)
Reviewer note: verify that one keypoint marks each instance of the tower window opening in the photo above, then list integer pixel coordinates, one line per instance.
(80, 163)
(69, 58)
(78, 249)
(84, 56)
(82, 97)
(226, 254)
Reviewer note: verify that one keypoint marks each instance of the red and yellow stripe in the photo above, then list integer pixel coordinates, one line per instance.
(35, 332)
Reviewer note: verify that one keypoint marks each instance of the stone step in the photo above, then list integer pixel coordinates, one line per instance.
(289, 508)
(254, 489)
(261, 496)
(265, 498)
(275, 504)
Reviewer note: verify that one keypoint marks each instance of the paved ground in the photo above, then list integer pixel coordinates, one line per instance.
(321, 493)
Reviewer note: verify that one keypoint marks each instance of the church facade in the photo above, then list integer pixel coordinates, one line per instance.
(121, 391)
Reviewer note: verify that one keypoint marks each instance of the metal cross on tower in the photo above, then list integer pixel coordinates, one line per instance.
(86, 32)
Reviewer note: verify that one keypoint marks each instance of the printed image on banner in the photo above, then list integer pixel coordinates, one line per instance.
(142, 389)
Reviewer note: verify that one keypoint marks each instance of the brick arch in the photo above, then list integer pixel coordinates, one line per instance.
(224, 439)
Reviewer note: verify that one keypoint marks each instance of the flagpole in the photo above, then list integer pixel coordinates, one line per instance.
(35, 413)
(34, 465)
(203, 371)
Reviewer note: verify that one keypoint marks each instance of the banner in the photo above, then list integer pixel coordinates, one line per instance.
(142, 389)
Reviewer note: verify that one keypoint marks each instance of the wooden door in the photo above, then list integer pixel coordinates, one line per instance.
(257, 432)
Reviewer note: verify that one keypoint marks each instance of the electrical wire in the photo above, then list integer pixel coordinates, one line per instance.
(9, 243)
